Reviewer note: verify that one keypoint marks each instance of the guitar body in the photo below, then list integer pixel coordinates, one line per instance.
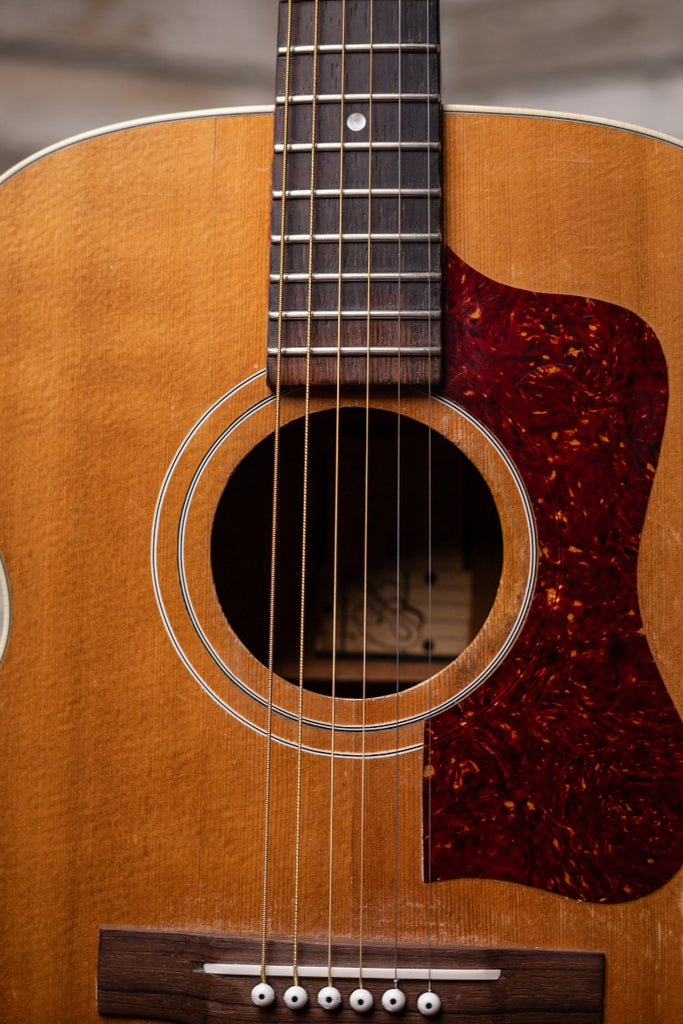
(135, 297)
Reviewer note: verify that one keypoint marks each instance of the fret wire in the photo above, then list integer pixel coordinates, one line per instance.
(376, 275)
(355, 314)
(376, 351)
(365, 48)
(389, 236)
(335, 193)
(359, 97)
(334, 147)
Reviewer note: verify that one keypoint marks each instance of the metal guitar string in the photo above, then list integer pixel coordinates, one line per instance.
(335, 553)
(428, 879)
(304, 504)
(399, 325)
(273, 535)
(336, 524)
(366, 482)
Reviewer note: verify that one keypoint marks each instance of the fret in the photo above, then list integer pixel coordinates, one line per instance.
(360, 97)
(359, 193)
(411, 351)
(376, 351)
(332, 147)
(356, 314)
(363, 48)
(393, 236)
(357, 276)
(416, 68)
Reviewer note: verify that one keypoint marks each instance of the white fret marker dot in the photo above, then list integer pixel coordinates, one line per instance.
(356, 122)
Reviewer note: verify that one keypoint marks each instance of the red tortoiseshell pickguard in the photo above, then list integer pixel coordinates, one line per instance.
(563, 771)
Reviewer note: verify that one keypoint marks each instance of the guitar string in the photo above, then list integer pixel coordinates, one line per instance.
(274, 517)
(304, 503)
(430, 566)
(304, 527)
(398, 495)
(335, 553)
(368, 341)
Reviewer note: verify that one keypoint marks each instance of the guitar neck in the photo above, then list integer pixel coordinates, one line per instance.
(356, 213)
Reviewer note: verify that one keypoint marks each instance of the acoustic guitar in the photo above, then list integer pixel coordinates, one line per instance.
(341, 579)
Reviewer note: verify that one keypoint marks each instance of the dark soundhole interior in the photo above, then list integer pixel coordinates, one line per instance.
(421, 610)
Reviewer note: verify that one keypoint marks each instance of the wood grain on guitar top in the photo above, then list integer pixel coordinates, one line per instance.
(134, 294)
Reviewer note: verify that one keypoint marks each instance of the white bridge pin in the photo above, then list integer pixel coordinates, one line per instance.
(329, 998)
(361, 1000)
(428, 1004)
(393, 1000)
(262, 995)
(296, 997)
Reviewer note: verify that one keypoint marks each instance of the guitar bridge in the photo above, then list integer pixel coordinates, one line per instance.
(198, 978)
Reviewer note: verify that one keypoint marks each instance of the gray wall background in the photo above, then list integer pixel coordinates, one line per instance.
(68, 66)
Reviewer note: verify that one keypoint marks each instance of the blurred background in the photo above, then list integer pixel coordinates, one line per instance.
(68, 66)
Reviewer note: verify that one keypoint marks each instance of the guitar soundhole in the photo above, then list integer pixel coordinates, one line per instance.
(428, 607)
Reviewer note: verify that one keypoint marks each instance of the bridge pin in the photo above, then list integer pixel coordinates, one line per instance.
(393, 1000)
(428, 1004)
(361, 1000)
(329, 998)
(262, 995)
(296, 997)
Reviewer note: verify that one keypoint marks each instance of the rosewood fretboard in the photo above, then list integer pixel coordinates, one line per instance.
(356, 213)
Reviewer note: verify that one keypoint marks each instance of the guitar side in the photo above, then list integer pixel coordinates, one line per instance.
(128, 259)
